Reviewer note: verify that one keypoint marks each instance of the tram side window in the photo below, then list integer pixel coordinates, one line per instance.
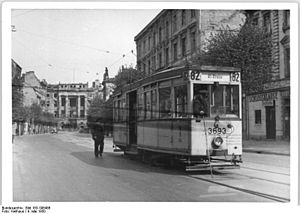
(147, 104)
(115, 111)
(165, 104)
(119, 110)
(140, 106)
(180, 101)
(123, 110)
(153, 104)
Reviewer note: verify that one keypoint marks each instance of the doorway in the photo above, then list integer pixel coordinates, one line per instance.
(270, 122)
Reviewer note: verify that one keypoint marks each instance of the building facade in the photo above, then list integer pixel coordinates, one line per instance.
(34, 90)
(69, 103)
(267, 114)
(174, 37)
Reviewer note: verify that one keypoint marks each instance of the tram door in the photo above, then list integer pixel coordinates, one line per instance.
(270, 122)
(132, 98)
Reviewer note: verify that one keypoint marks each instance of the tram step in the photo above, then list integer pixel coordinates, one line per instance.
(200, 167)
(131, 152)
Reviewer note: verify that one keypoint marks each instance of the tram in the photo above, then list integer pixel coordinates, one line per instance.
(188, 115)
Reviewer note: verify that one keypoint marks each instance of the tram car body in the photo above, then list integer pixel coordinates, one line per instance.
(192, 114)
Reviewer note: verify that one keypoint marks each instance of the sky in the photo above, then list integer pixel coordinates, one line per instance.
(76, 45)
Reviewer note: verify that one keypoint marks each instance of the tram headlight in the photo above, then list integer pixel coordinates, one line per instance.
(217, 142)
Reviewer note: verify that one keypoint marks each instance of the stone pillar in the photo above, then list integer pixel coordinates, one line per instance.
(85, 106)
(78, 106)
(58, 106)
(67, 107)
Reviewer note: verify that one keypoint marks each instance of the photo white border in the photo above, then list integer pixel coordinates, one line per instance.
(86, 207)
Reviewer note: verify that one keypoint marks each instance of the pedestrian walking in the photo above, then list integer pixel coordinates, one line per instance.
(98, 137)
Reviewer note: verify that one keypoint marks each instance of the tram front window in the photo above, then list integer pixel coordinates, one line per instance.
(201, 100)
(224, 101)
(216, 100)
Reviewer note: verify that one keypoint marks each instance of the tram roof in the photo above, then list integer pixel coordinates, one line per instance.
(174, 72)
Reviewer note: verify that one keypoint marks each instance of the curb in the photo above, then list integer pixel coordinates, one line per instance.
(264, 152)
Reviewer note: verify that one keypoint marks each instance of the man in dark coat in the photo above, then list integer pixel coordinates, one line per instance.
(98, 137)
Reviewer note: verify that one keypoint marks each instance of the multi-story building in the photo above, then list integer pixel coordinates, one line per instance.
(174, 37)
(267, 113)
(69, 102)
(16, 70)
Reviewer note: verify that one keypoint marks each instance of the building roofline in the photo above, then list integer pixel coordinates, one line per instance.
(150, 23)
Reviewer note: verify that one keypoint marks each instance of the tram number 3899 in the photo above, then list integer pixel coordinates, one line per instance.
(216, 131)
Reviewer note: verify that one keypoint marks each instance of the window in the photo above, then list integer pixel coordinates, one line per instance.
(73, 102)
(153, 64)
(232, 101)
(257, 116)
(140, 106)
(224, 101)
(167, 56)
(116, 111)
(144, 67)
(119, 110)
(287, 62)
(159, 34)
(193, 13)
(193, 41)
(82, 113)
(183, 18)
(149, 42)
(147, 100)
(286, 19)
(175, 51)
(183, 46)
(174, 23)
(159, 60)
(201, 100)
(63, 113)
(180, 94)
(267, 22)
(82, 100)
(48, 95)
(123, 110)
(165, 104)
(153, 104)
(154, 39)
(167, 30)
(149, 67)
(144, 46)
(63, 101)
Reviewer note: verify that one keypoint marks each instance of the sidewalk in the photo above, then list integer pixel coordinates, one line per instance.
(276, 147)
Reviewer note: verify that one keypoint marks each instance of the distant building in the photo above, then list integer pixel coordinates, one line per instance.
(268, 112)
(173, 37)
(34, 91)
(108, 85)
(16, 70)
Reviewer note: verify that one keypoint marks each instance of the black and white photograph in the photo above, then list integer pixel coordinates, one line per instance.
(168, 103)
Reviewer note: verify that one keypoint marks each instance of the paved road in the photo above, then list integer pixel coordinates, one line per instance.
(62, 168)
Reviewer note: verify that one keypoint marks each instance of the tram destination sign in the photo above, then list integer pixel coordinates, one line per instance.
(195, 76)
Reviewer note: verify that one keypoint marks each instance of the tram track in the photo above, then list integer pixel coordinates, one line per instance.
(262, 179)
(263, 170)
(248, 191)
